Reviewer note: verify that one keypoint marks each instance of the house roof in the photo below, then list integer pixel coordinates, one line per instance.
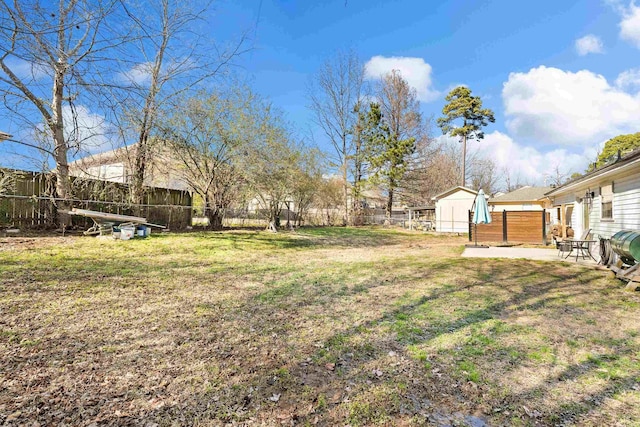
(453, 190)
(524, 194)
(105, 156)
(373, 193)
(626, 161)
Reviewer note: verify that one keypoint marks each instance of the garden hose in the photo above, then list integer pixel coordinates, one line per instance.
(606, 253)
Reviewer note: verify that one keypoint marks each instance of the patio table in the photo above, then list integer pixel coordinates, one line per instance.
(582, 248)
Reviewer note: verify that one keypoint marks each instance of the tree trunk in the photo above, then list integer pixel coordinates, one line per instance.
(148, 115)
(357, 186)
(137, 184)
(63, 184)
(464, 159)
(389, 206)
(215, 219)
(346, 189)
(288, 214)
(274, 216)
(212, 212)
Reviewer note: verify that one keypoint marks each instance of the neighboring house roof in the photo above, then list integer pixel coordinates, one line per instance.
(162, 169)
(373, 193)
(453, 190)
(625, 162)
(118, 154)
(524, 194)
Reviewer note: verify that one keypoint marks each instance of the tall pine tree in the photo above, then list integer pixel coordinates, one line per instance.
(468, 109)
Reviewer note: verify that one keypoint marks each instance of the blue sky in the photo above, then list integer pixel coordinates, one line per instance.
(548, 69)
(561, 76)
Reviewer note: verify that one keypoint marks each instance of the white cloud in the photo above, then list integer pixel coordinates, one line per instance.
(85, 129)
(629, 79)
(27, 70)
(530, 163)
(525, 163)
(630, 24)
(589, 44)
(139, 74)
(556, 107)
(414, 70)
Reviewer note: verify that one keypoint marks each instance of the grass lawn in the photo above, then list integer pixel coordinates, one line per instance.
(327, 327)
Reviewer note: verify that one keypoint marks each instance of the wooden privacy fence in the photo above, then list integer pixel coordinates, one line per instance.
(512, 226)
(28, 202)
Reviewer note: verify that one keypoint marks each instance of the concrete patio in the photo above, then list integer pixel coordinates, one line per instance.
(524, 253)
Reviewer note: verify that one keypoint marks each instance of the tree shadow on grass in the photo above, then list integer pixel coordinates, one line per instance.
(253, 349)
(350, 361)
(351, 367)
(335, 237)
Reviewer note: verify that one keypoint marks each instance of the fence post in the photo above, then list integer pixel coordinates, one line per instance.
(470, 225)
(544, 227)
(504, 226)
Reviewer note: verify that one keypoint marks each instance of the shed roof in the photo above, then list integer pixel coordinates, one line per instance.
(453, 190)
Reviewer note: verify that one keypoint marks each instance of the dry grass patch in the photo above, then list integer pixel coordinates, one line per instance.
(322, 327)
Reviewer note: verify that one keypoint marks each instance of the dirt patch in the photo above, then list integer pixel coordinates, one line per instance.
(25, 243)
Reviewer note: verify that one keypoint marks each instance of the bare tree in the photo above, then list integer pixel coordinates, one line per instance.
(334, 93)
(434, 170)
(483, 174)
(270, 162)
(306, 182)
(438, 170)
(556, 177)
(512, 180)
(207, 135)
(359, 164)
(47, 52)
(329, 198)
(172, 56)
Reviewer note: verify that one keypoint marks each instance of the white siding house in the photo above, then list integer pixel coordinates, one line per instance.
(452, 209)
(606, 200)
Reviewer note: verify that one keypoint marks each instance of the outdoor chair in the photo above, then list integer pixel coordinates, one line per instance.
(562, 246)
(567, 245)
(585, 235)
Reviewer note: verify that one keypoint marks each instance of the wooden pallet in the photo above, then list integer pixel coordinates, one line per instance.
(631, 275)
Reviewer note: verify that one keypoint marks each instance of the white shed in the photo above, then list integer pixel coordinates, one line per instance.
(452, 209)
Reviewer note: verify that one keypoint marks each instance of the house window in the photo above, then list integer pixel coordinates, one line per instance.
(606, 200)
